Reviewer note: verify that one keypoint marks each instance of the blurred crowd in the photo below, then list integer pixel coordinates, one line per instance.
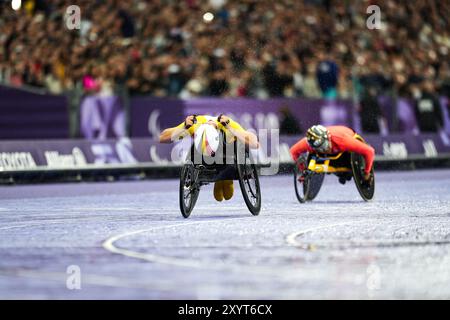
(289, 48)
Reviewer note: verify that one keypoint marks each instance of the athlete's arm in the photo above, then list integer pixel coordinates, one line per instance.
(300, 147)
(247, 137)
(183, 129)
(354, 145)
(171, 134)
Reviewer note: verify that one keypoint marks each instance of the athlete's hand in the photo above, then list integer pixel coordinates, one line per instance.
(368, 178)
(224, 120)
(189, 122)
(301, 166)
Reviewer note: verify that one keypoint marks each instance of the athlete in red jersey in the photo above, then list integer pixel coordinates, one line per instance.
(332, 140)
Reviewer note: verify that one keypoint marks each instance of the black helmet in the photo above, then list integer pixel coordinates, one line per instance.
(318, 138)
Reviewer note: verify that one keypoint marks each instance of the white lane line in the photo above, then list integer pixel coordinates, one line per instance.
(266, 271)
(346, 244)
(291, 239)
(110, 246)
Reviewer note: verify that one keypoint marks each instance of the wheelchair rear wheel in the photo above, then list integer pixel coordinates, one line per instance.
(249, 183)
(365, 189)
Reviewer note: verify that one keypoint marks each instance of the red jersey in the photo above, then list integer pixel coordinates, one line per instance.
(342, 140)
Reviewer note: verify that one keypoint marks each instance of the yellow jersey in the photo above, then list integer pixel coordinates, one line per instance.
(202, 119)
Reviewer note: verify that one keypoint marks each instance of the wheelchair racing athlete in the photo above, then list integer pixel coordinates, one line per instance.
(333, 140)
(206, 133)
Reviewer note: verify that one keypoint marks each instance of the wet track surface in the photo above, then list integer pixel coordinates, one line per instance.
(130, 241)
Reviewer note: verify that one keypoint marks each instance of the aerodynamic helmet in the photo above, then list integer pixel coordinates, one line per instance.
(206, 140)
(318, 138)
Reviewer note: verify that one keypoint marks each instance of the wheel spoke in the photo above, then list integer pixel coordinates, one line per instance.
(249, 183)
(187, 190)
(249, 176)
(250, 192)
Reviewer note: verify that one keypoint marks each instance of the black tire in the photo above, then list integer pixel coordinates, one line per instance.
(314, 184)
(300, 176)
(189, 190)
(249, 183)
(308, 188)
(366, 190)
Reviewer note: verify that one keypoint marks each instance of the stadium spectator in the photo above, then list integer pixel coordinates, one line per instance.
(428, 109)
(249, 48)
(444, 80)
(370, 111)
(327, 76)
(289, 124)
(311, 88)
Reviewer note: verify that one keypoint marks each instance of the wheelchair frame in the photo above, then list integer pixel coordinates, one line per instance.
(194, 176)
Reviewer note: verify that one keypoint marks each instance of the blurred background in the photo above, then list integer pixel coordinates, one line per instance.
(86, 87)
(131, 68)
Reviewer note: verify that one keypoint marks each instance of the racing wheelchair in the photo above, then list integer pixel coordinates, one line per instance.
(236, 164)
(310, 171)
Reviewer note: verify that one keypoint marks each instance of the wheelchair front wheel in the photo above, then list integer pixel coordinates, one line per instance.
(189, 189)
(307, 184)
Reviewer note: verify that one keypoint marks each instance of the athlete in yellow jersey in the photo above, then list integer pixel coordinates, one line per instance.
(208, 141)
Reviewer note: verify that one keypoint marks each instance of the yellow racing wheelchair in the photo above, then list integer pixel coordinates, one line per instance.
(236, 164)
(310, 170)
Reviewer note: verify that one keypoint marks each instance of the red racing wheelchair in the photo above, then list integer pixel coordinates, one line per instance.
(310, 170)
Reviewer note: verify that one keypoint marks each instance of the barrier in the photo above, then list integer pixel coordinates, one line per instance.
(24, 157)
(150, 115)
(105, 147)
(32, 115)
